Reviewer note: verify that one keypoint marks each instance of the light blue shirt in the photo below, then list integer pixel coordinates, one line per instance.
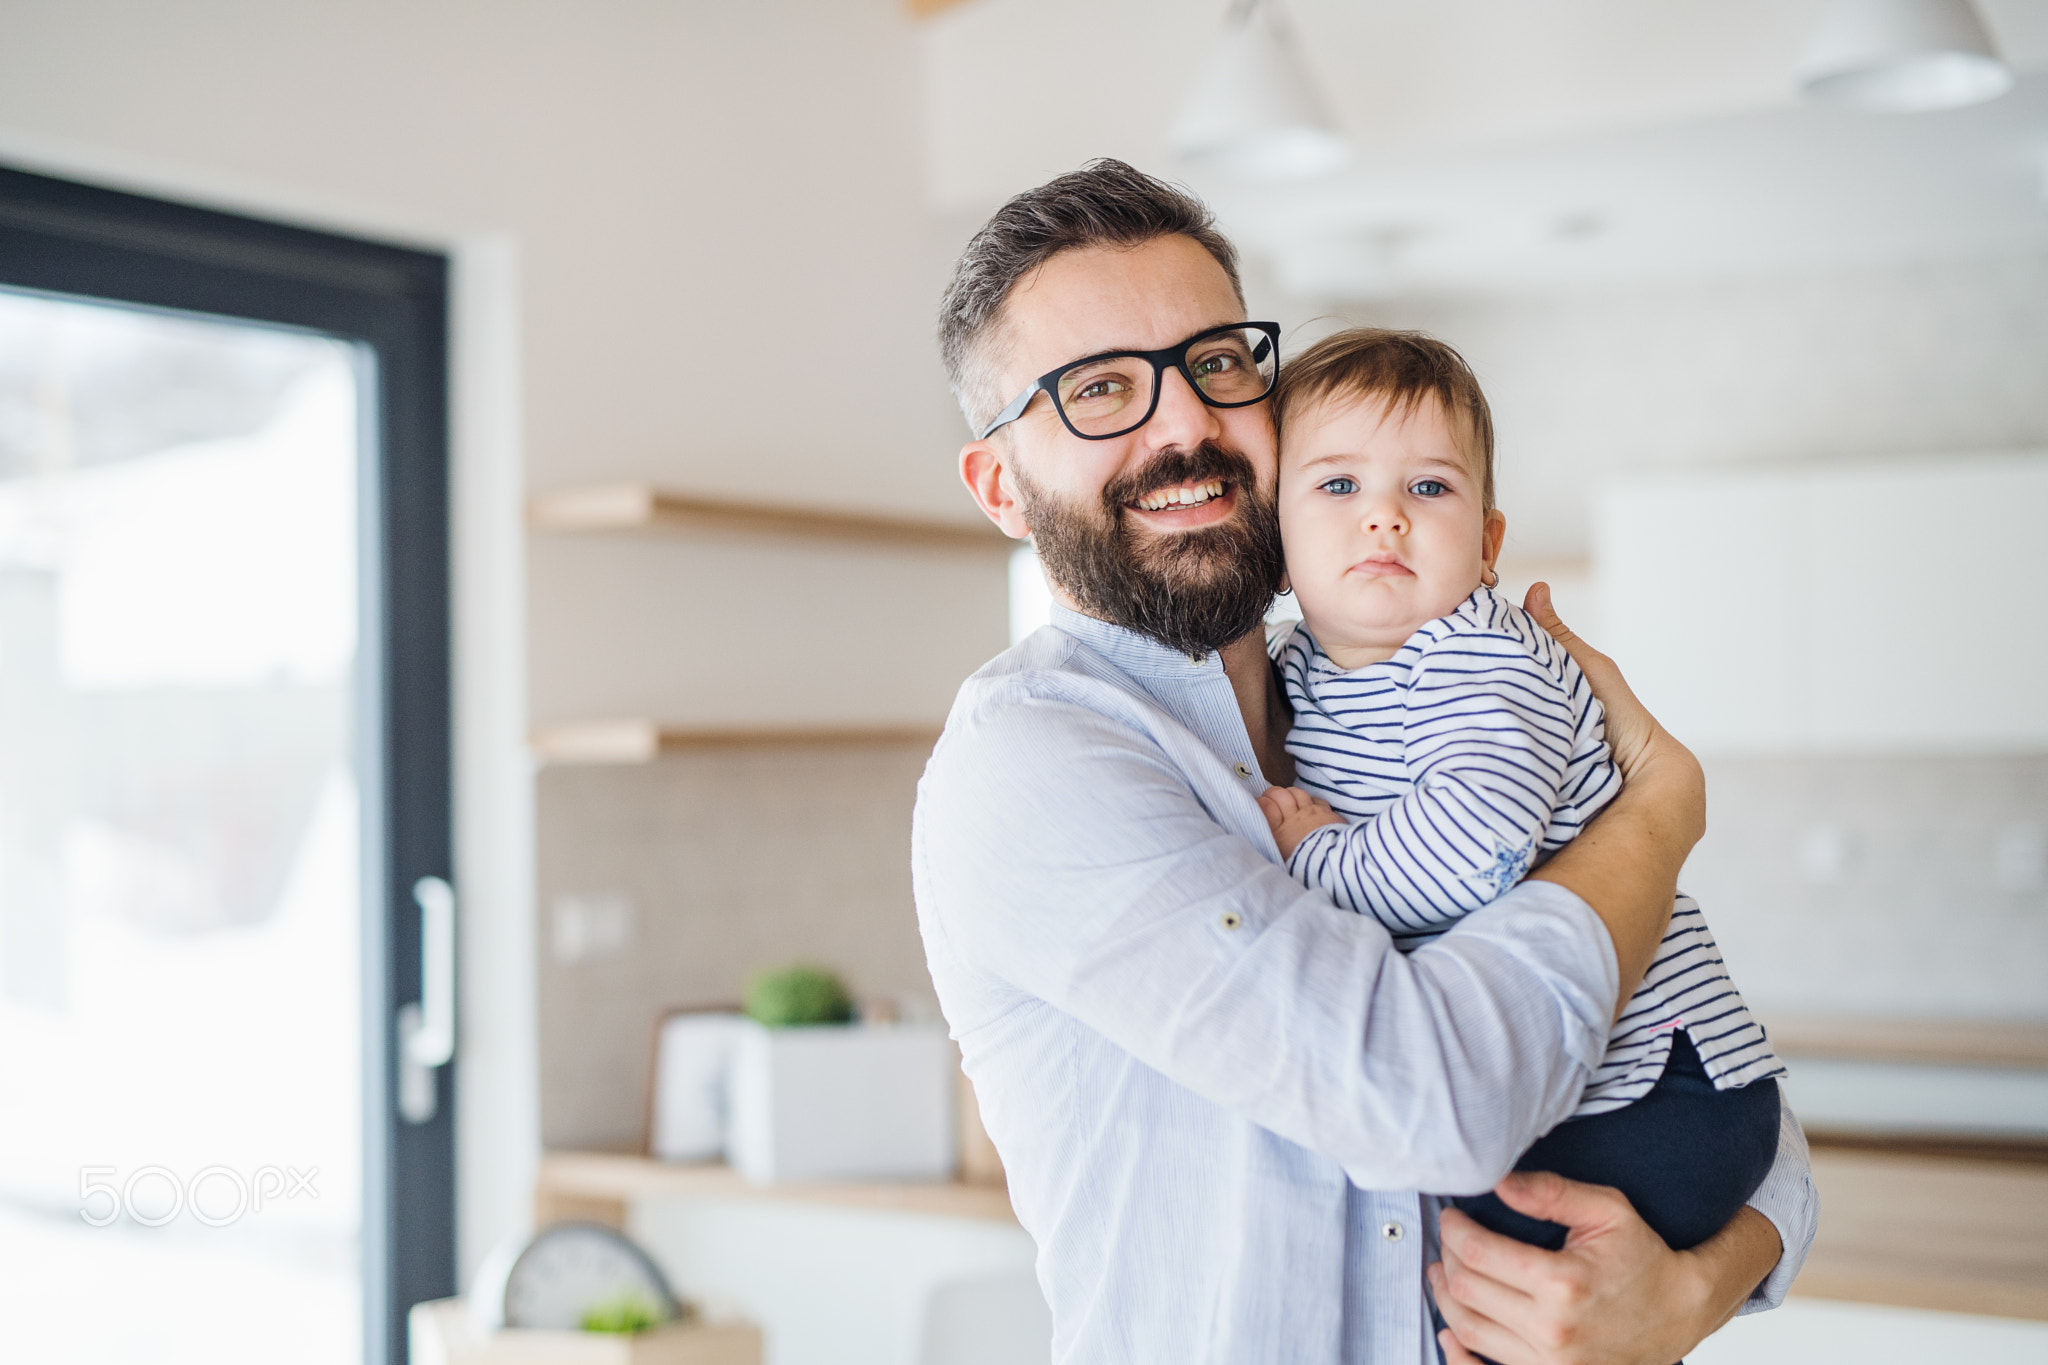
(1214, 1092)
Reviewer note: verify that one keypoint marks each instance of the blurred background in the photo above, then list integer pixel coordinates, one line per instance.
(1758, 290)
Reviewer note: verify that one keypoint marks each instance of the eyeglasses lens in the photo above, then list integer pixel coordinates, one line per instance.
(1105, 396)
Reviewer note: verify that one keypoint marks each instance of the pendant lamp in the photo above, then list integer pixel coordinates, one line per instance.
(1905, 56)
(1255, 113)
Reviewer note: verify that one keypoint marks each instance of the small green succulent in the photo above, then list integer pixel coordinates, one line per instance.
(624, 1315)
(798, 995)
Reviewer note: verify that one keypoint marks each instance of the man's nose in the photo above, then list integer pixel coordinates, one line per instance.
(1182, 418)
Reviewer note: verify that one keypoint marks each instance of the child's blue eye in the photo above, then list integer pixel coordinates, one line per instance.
(1339, 485)
(1430, 488)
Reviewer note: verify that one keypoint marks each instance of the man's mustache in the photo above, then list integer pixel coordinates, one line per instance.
(1175, 466)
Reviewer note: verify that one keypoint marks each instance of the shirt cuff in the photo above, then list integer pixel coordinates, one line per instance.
(1788, 1199)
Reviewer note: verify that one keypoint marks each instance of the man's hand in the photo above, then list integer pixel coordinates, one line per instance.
(1632, 732)
(1293, 814)
(1615, 1295)
(1625, 864)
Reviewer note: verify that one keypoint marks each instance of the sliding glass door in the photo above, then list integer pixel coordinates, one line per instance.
(224, 786)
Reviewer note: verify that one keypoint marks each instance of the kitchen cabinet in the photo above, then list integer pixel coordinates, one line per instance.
(1885, 607)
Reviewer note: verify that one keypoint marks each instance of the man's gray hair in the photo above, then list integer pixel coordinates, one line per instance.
(1105, 203)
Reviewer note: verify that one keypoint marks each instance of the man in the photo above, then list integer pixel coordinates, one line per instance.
(1215, 1094)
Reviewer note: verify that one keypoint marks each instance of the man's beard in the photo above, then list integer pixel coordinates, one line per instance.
(1193, 591)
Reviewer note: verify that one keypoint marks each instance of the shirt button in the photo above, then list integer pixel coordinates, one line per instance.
(1243, 770)
(1392, 1232)
(1232, 920)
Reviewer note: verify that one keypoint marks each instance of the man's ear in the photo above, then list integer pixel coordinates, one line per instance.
(985, 469)
(1490, 538)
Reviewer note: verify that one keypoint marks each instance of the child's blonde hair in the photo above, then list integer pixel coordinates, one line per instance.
(1398, 368)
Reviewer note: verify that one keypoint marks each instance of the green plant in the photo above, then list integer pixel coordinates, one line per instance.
(798, 995)
(624, 1315)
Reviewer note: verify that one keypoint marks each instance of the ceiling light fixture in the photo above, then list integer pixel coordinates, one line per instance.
(1255, 112)
(1907, 56)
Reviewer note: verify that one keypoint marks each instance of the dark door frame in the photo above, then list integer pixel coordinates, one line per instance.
(61, 237)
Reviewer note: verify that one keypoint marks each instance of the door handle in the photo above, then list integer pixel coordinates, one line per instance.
(426, 1030)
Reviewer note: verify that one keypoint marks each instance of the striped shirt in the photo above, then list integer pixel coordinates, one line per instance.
(1216, 1094)
(1460, 764)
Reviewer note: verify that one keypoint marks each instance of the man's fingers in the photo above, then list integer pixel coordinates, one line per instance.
(1597, 666)
(1631, 729)
(1454, 1353)
(1537, 603)
(1473, 1329)
(1496, 1257)
(1547, 1195)
(1481, 1293)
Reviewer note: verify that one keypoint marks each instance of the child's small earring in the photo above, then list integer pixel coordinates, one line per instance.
(1488, 578)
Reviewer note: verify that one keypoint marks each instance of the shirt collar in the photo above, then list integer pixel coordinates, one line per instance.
(1130, 651)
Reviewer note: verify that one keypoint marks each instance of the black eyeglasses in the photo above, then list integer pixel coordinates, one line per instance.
(1232, 366)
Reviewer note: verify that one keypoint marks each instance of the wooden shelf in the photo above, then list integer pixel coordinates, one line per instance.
(587, 1184)
(643, 507)
(639, 740)
(1930, 1232)
(1942, 1042)
(1915, 1231)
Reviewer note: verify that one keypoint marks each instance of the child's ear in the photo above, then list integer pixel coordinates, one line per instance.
(1490, 538)
(1286, 582)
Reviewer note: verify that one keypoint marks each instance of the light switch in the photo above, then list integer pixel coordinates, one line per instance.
(591, 925)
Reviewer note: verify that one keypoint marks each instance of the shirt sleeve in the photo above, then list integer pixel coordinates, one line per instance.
(1063, 853)
(1488, 732)
(1787, 1197)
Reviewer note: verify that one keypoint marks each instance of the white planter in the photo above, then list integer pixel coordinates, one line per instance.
(843, 1102)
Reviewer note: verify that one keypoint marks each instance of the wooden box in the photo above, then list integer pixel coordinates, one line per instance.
(441, 1333)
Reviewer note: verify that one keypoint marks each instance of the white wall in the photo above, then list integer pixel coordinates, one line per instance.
(696, 188)
(1614, 382)
(705, 259)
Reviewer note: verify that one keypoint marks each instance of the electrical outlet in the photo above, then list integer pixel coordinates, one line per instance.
(1827, 854)
(2019, 858)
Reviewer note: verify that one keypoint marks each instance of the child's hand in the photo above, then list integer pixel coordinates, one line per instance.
(1293, 813)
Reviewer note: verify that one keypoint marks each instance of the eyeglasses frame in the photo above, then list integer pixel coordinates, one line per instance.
(1176, 356)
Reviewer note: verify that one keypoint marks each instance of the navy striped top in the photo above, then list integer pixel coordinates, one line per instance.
(1462, 762)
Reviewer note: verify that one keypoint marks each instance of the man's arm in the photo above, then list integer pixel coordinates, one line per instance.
(1065, 852)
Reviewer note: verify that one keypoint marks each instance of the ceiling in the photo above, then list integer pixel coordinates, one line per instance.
(1506, 146)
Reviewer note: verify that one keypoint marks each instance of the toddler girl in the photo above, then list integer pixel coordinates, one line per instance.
(1445, 744)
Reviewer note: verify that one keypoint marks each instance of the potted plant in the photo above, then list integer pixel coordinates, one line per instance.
(818, 1095)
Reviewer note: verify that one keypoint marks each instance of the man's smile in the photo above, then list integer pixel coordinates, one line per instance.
(1202, 502)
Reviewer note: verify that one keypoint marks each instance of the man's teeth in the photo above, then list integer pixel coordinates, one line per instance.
(1188, 495)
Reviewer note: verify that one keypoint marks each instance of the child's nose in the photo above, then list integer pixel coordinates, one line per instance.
(1386, 519)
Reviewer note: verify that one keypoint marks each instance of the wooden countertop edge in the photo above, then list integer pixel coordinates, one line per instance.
(1923, 1291)
(1950, 1042)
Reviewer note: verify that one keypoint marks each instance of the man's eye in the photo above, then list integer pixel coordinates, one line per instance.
(1339, 485)
(1430, 488)
(1215, 364)
(1099, 388)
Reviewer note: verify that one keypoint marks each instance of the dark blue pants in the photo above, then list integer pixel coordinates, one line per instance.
(1688, 1156)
